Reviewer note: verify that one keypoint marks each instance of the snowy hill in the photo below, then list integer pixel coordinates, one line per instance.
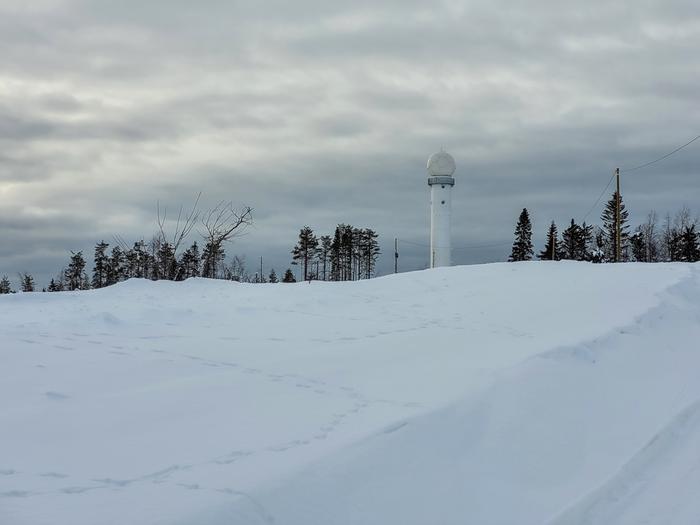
(561, 393)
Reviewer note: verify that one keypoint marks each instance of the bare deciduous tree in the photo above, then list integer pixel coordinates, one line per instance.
(221, 224)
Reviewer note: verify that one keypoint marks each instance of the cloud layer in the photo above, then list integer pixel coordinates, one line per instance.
(318, 112)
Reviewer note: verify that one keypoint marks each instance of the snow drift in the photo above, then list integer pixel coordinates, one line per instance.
(530, 393)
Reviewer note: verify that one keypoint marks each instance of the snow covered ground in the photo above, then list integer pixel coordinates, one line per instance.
(560, 393)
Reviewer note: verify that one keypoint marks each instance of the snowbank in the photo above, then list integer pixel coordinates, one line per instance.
(504, 393)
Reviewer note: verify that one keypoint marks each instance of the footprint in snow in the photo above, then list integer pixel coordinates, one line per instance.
(57, 396)
(14, 494)
(76, 490)
(56, 475)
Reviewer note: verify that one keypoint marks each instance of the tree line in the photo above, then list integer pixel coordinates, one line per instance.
(163, 257)
(349, 254)
(675, 240)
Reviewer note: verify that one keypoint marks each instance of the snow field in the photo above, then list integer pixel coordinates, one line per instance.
(501, 393)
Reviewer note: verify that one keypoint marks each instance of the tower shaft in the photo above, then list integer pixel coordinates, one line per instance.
(440, 220)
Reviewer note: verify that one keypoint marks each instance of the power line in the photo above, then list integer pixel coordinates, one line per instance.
(456, 248)
(626, 170)
(599, 197)
(660, 158)
(479, 246)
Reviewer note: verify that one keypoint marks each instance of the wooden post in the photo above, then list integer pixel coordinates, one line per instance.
(396, 255)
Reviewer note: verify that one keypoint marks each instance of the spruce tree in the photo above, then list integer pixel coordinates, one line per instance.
(552, 248)
(609, 228)
(27, 282)
(571, 242)
(189, 263)
(585, 240)
(522, 246)
(75, 277)
(638, 245)
(55, 286)
(100, 269)
(305, 250)
(212, 258)
(689, 249)
(273, 277)
(166, 262)
(5, 286)
(117, 269)
(136, 262)
(288, 276)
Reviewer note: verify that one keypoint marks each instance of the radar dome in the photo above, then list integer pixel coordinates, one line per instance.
(441, 164)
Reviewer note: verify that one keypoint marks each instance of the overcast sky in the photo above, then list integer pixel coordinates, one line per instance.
(318, 112)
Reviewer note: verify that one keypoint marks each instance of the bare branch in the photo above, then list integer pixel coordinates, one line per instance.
(119, 241)
(183, 224)
(223, 222)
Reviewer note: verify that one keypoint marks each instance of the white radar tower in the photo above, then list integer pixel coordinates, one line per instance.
(441, 167)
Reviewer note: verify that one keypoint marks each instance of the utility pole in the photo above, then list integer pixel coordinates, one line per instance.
(396, 255)
(618, 234)
(261, 274)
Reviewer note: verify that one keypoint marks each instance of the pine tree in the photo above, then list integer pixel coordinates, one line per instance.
(324, 254)
(5, 286)
(369, 248)
(522, 246)
(552, 249)
(27, 282)
(288, 276)
(609, 227)
(335, 255)
(273, 277)
(100, 269)
(75, 277)
(305, 250)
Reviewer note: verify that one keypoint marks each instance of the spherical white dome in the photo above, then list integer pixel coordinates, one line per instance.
(441, 164)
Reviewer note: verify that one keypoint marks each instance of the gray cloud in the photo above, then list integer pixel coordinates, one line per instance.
(318, 112)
